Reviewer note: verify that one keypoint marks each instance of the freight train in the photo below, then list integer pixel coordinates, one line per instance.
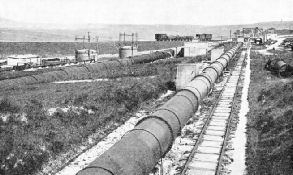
(204, 37)
(165, 37)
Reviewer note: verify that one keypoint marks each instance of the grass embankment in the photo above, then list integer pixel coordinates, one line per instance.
(258, 47)
(16, 74)
(30, 137)
(165, 68)
(270, 120)
(133, 70)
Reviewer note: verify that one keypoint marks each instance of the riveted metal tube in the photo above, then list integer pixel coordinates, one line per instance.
(140, 150)
(213, 72)
(223, 63)
(61, 75)
(82, 71)
(199, 86)
(28, 79)
(89, 68)
(280, 63)
(279, 67)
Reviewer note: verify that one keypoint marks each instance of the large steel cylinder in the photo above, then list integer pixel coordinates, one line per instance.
(82, 71)
(138, 151)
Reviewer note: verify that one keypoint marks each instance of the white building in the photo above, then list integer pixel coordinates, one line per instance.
(271, 36)
(14, 60)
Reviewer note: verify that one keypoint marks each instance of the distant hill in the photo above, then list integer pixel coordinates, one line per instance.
(31, 32)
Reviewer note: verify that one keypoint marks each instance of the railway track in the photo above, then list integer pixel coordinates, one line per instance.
(206, 157)
(200, 148)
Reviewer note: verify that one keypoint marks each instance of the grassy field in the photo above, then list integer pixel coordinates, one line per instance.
(146, 45)
(270, 120)
(51, 49)
(31, 136)
(57, 49)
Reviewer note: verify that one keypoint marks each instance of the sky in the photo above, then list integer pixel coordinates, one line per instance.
(194, 12)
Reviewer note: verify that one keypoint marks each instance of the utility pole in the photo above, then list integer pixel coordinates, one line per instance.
(76, 38)
(134, 36)
(97, 38)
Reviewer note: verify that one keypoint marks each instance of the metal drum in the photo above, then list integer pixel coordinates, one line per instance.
(127, 51)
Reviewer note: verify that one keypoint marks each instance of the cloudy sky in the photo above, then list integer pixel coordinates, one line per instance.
(197, 12)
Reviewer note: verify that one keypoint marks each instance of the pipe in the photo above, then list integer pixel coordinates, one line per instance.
(279, 67)
(85, 70)
(139, 150)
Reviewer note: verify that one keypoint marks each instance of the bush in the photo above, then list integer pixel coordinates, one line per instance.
(7, 106)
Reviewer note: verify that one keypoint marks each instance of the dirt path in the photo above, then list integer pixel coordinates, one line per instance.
(275, 46)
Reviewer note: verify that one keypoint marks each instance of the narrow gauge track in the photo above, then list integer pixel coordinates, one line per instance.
(207, 153)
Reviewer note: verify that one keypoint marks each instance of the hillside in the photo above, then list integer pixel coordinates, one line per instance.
(25, 32)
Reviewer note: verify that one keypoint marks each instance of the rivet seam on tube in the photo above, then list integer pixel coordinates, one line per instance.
(210, 79)
(173, 113)
(212, 68)
(137, 129)
(222, 57)
(188, 100)
(105, 65)
(192, 92)
(170, 128)
(205, 84)
(205, 76)
(34, 77)
(64, 71)
(98, 167)
(87, 68)
(220, 63)
(119, 62)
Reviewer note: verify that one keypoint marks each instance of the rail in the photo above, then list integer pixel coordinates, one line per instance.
(139, 150)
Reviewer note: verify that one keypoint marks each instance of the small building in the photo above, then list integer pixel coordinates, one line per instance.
(185, 73)
(270, 36)
(19, 60)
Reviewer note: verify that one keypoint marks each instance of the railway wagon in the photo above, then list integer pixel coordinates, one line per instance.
(204, 37)
(165, 37)
(161, 37)
(53, 62)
